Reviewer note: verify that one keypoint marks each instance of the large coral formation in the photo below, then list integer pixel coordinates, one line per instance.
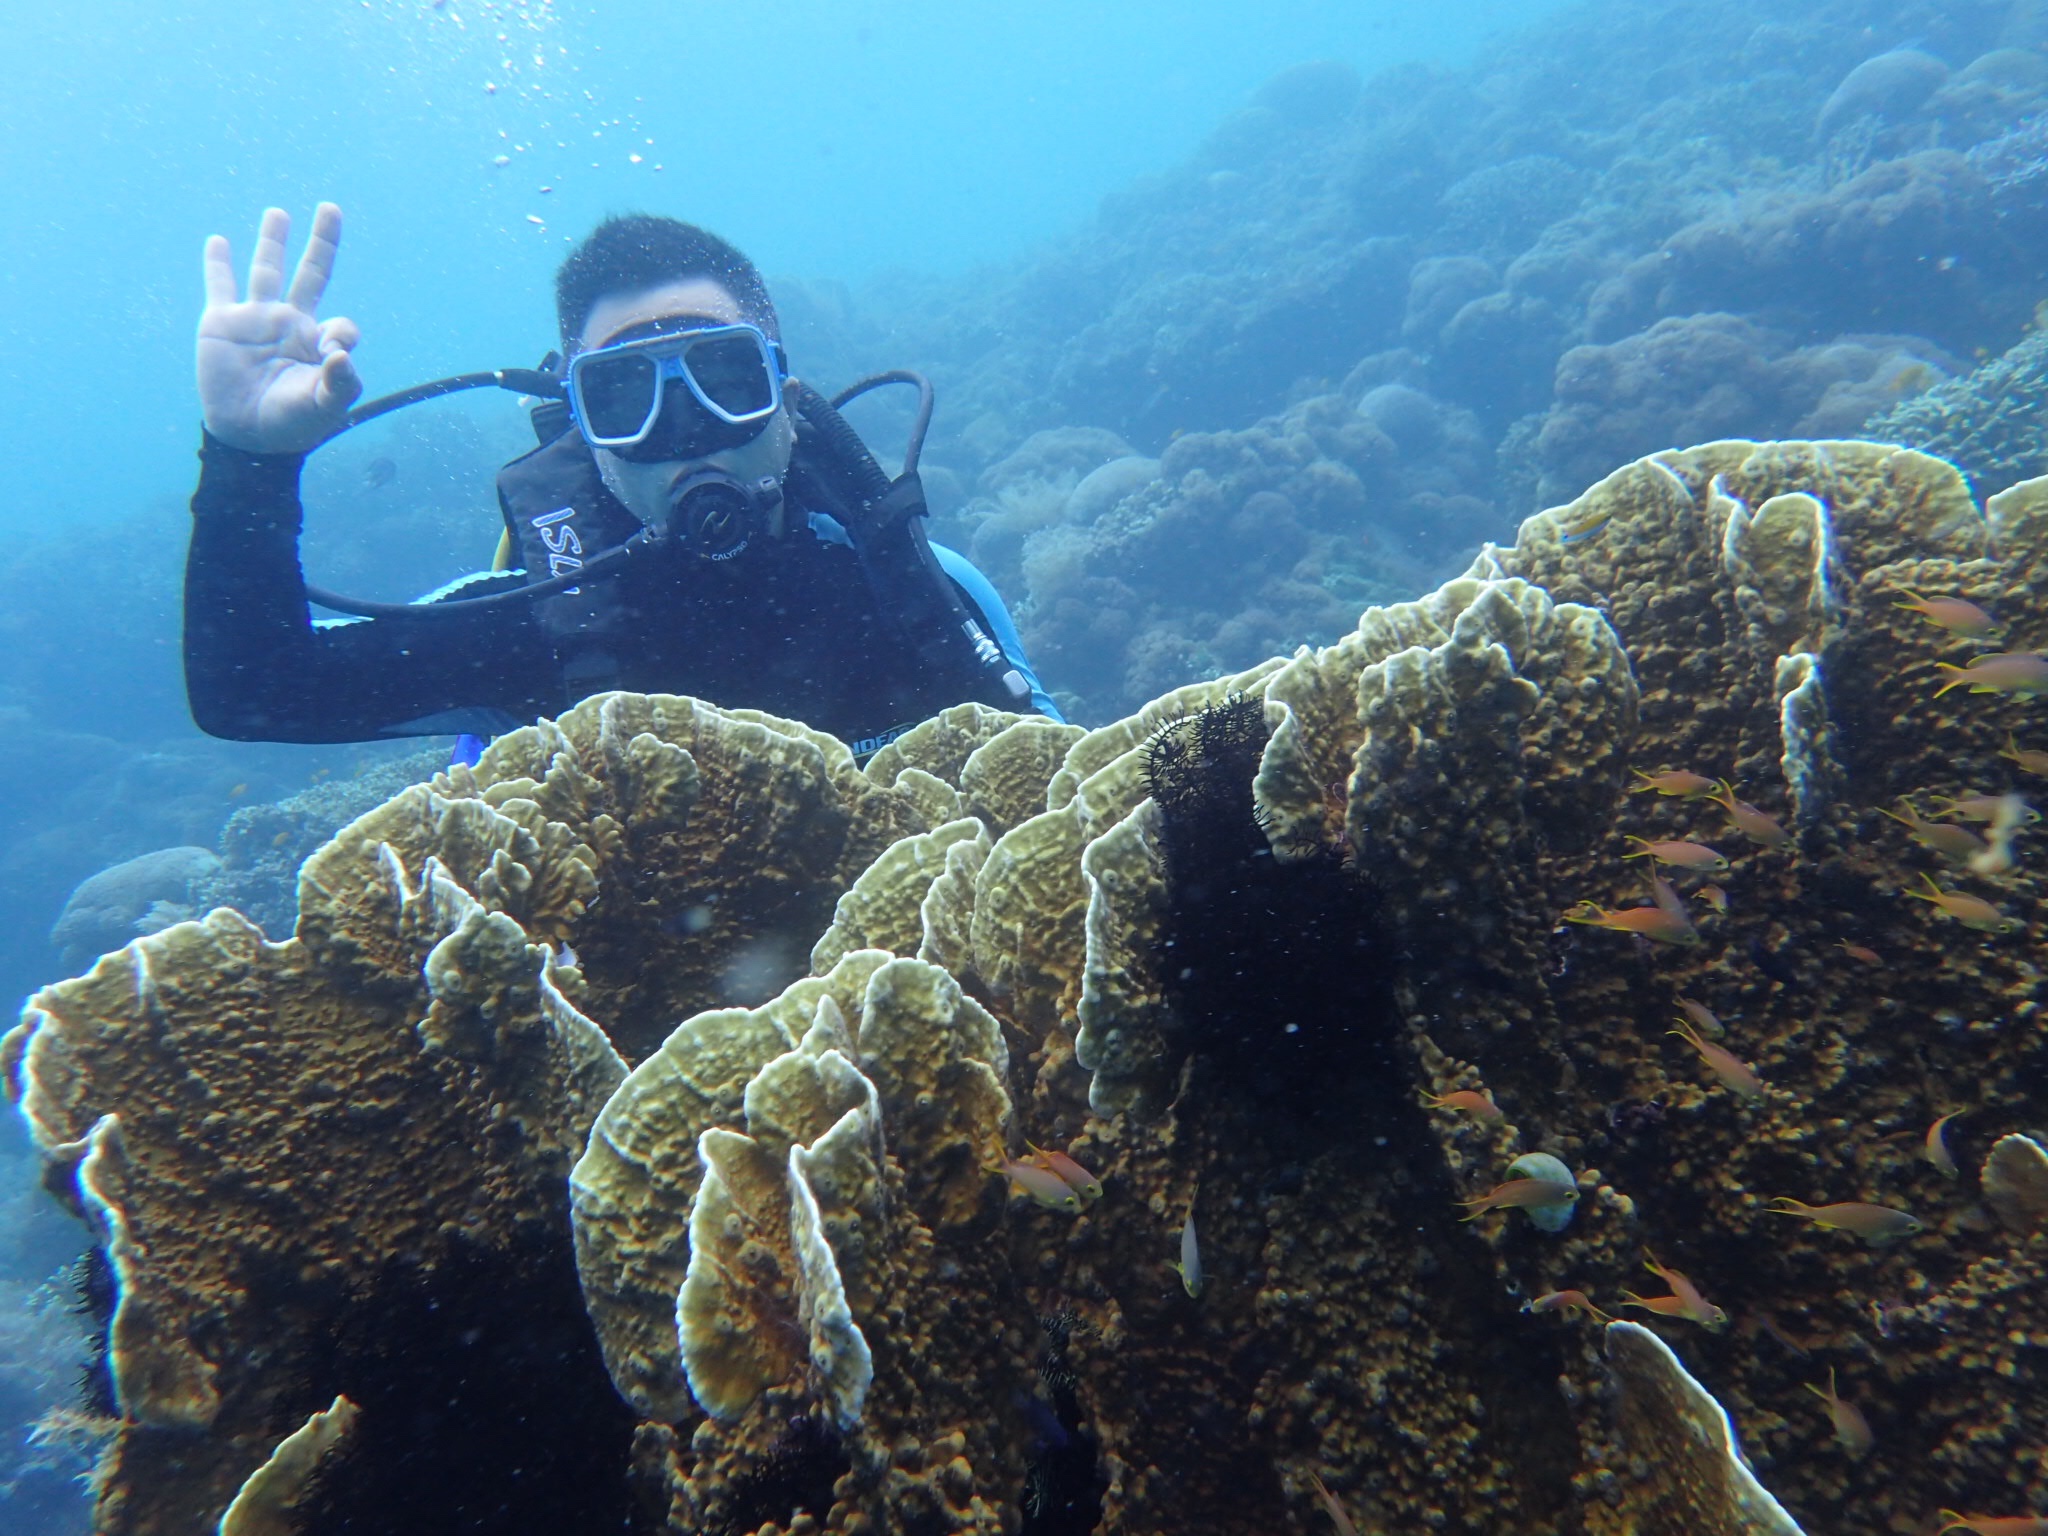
(1213, 951)
(274, 1144)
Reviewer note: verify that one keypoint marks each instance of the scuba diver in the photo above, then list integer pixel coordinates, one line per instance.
(695, 520)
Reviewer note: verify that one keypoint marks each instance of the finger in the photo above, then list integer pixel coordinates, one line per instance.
(316, 263)
(338, 335)
(339, 383)
(219, 265)
(266, 267)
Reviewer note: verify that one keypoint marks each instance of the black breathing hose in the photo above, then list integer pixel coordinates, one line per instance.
(821, 415)
(921, 425)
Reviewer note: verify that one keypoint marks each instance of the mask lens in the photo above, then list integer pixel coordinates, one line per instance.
(619, 394)
(733, 375)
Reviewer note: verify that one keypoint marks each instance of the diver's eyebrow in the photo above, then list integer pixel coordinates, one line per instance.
(661, 325)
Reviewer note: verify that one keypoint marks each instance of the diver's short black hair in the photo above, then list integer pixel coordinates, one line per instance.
(643, 250)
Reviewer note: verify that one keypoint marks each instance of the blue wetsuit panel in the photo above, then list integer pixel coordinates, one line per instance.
(1002, 629)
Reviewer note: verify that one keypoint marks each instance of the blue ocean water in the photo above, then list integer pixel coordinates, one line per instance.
(1478, 253)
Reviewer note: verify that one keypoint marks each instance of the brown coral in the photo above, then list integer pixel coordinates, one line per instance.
(1212, 951)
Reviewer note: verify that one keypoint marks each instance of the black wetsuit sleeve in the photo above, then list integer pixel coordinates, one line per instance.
(257, 669)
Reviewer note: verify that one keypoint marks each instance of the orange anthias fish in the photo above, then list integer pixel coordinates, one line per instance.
(1957, 615)
(1478, 1103)
(1678, 854)
(2026, 759)
(1063, 1167)
(1875, 1224)
(1680, 783)
(1971, 911)
(1951, 842)
(1995, 1525)
(1702, 1017)
(1759, 827)
(1569, 1303)
(1041, 1184)
(1852, 1430)
(1721, 1062)
(1713, 896)
(1862, 952)
(1685, 1301)
(1518, 1193)
(1651, 922)
(1332, 1508)
(2021, 672)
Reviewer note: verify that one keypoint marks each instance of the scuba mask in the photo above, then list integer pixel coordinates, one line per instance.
(624, 397)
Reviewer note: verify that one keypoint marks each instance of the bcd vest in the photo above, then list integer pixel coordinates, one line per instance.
(560, 515)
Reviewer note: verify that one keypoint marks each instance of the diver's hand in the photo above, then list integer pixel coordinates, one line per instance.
(272, 378)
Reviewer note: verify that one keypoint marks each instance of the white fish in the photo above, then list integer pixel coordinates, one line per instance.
(1189, 1266)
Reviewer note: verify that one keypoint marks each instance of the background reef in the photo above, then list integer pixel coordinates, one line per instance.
(1370, 324)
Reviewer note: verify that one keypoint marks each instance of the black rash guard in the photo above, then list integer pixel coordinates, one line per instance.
(790, 627)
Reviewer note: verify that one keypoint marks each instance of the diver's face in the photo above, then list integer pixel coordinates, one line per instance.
(646, 488)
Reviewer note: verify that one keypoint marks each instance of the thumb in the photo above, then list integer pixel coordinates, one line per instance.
(339, 383)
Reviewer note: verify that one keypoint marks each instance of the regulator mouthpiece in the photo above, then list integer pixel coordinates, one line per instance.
(714, 515)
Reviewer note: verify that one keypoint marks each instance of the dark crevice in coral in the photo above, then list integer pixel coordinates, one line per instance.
(798, 1474)
(1280, 975)
(485, 1404)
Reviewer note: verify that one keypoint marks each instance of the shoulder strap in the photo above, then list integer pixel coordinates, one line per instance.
(833, 471)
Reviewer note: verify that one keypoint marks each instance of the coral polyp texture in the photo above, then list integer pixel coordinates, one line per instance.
(1263, 1099)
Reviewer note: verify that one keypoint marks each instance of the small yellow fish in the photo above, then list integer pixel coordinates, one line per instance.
(1570, 1303)
(1722, 1063)
(1649, 922)
(2027, 759)
(1951, 842)
(1679, 783)
(1971, 911)
(1043, 1186)
(1680, 855)
(238, 791)
(1987, 808)
(1852, 1430)
(1586, 524)
(1957, 615)
(1478, 1103)
(2022, 672)
(1877, 1225)
(1756, 825)
(1519, 1193)
(1685, 1301)
(1935, 1147)
(1063, 1167)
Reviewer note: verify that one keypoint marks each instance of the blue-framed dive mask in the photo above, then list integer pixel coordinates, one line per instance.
(622, 396)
